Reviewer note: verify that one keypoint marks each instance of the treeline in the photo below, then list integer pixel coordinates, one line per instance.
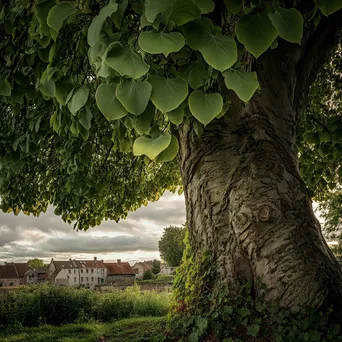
(55, 305)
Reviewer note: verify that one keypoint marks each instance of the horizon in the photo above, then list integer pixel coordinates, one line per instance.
(131, 240)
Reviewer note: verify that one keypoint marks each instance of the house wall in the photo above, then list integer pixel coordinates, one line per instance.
(10, 282)
(120, 279)
(62, 278)
(31, 278)
(89, 278)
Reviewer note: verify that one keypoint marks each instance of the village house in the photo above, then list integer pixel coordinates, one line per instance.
(119, 273)
(141, 267)
(12, 274)
(36, 275)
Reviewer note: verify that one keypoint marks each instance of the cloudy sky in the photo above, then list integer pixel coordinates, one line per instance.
(136, 238)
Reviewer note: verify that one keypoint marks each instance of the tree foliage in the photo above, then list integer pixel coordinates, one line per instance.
(92, 93)
(147, 275)
(35, 263)
(171, 245)
(155, 266)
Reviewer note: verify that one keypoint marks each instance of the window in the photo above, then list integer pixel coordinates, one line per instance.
(102, 270)
(87, 284)
(74, 271)
(81, 278)
(92, 279)
(81, 271)
(87, 278)
(92, 270)
(74, 279)
(69, 271)
(87, 271)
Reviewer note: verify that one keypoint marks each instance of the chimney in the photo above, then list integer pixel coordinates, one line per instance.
(119, 261)
(102, 260)
(95, 258)
(70, 259)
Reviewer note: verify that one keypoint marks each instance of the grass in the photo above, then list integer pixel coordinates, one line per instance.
(131, 330)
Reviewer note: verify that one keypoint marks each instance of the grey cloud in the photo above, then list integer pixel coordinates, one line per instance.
(84, 244)
(8, 235)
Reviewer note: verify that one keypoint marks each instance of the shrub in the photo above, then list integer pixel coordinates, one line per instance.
(56, 305)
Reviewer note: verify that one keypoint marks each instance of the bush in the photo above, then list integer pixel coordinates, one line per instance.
(56, 305)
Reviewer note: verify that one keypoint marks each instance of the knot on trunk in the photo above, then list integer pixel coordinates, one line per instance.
(264, 213)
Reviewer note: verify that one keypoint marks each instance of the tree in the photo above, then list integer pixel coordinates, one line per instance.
(147, 275)
(97, 98)
(155, 266)
(171, 245)
(35, 263)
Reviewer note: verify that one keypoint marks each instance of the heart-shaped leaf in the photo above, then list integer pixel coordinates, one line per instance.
(5, 88)
(142, 122)
(206, 6)
(155, 7)
(94, 31)
(289, 24)
(197, 76)
(170, 152)
(328, 6)
(233, 6)
(134, 95)
(59, 13)
(126, 62)
(176, 116)
(205, 107)
(256, 32)
(184, 11)
(107, 102)
(151, 147)
(242, 82)
(168, 93)
(79, 99)
(159, 42)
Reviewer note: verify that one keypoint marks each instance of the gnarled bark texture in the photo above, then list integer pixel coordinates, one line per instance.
(246, 202)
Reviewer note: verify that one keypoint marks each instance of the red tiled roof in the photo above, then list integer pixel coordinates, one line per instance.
(8, 271)
(21, 268)
(123, 268)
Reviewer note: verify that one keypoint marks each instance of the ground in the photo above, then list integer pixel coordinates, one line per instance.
(132, 330)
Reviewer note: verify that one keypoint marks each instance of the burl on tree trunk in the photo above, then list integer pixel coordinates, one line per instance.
(246, 203)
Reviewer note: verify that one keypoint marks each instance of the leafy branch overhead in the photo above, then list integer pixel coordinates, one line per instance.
(124, 75)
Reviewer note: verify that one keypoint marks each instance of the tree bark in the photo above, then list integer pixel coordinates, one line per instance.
(246, 203)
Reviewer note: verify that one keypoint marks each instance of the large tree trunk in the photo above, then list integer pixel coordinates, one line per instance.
(247, 205)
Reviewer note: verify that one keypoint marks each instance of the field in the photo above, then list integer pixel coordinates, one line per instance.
(132, 330)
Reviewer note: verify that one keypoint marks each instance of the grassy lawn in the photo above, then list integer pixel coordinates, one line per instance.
(131, 330)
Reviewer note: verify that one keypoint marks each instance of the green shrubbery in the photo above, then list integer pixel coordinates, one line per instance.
(34, 305)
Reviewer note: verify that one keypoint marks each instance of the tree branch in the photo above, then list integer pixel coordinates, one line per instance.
(319, 47)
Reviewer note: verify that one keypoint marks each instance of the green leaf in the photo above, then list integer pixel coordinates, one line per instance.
(206, 6)
(155, 7)
(329, 6)
(94, 31)
(134, 95)
(5, 88)
(184, 11)
(126, 62)
(151, 147)
(242, 82)
(253, 330)
(142, 122)
(219, 51)
(48, 88)
(205, 107)
(168, 93)
(256, 32)
(197, 76)
(85, 118)
(233, 6)
(289, 24)
(59, 13)
(79, 99)
(107, 102)
(176, 116)
(170, 152)
(155, 42)
(41, 9)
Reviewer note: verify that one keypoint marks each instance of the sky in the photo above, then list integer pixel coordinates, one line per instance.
(47, 236)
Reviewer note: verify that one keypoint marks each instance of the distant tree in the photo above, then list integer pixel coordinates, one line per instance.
(147, 275)
(35, 263)
(155, 266)
(171, 245)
